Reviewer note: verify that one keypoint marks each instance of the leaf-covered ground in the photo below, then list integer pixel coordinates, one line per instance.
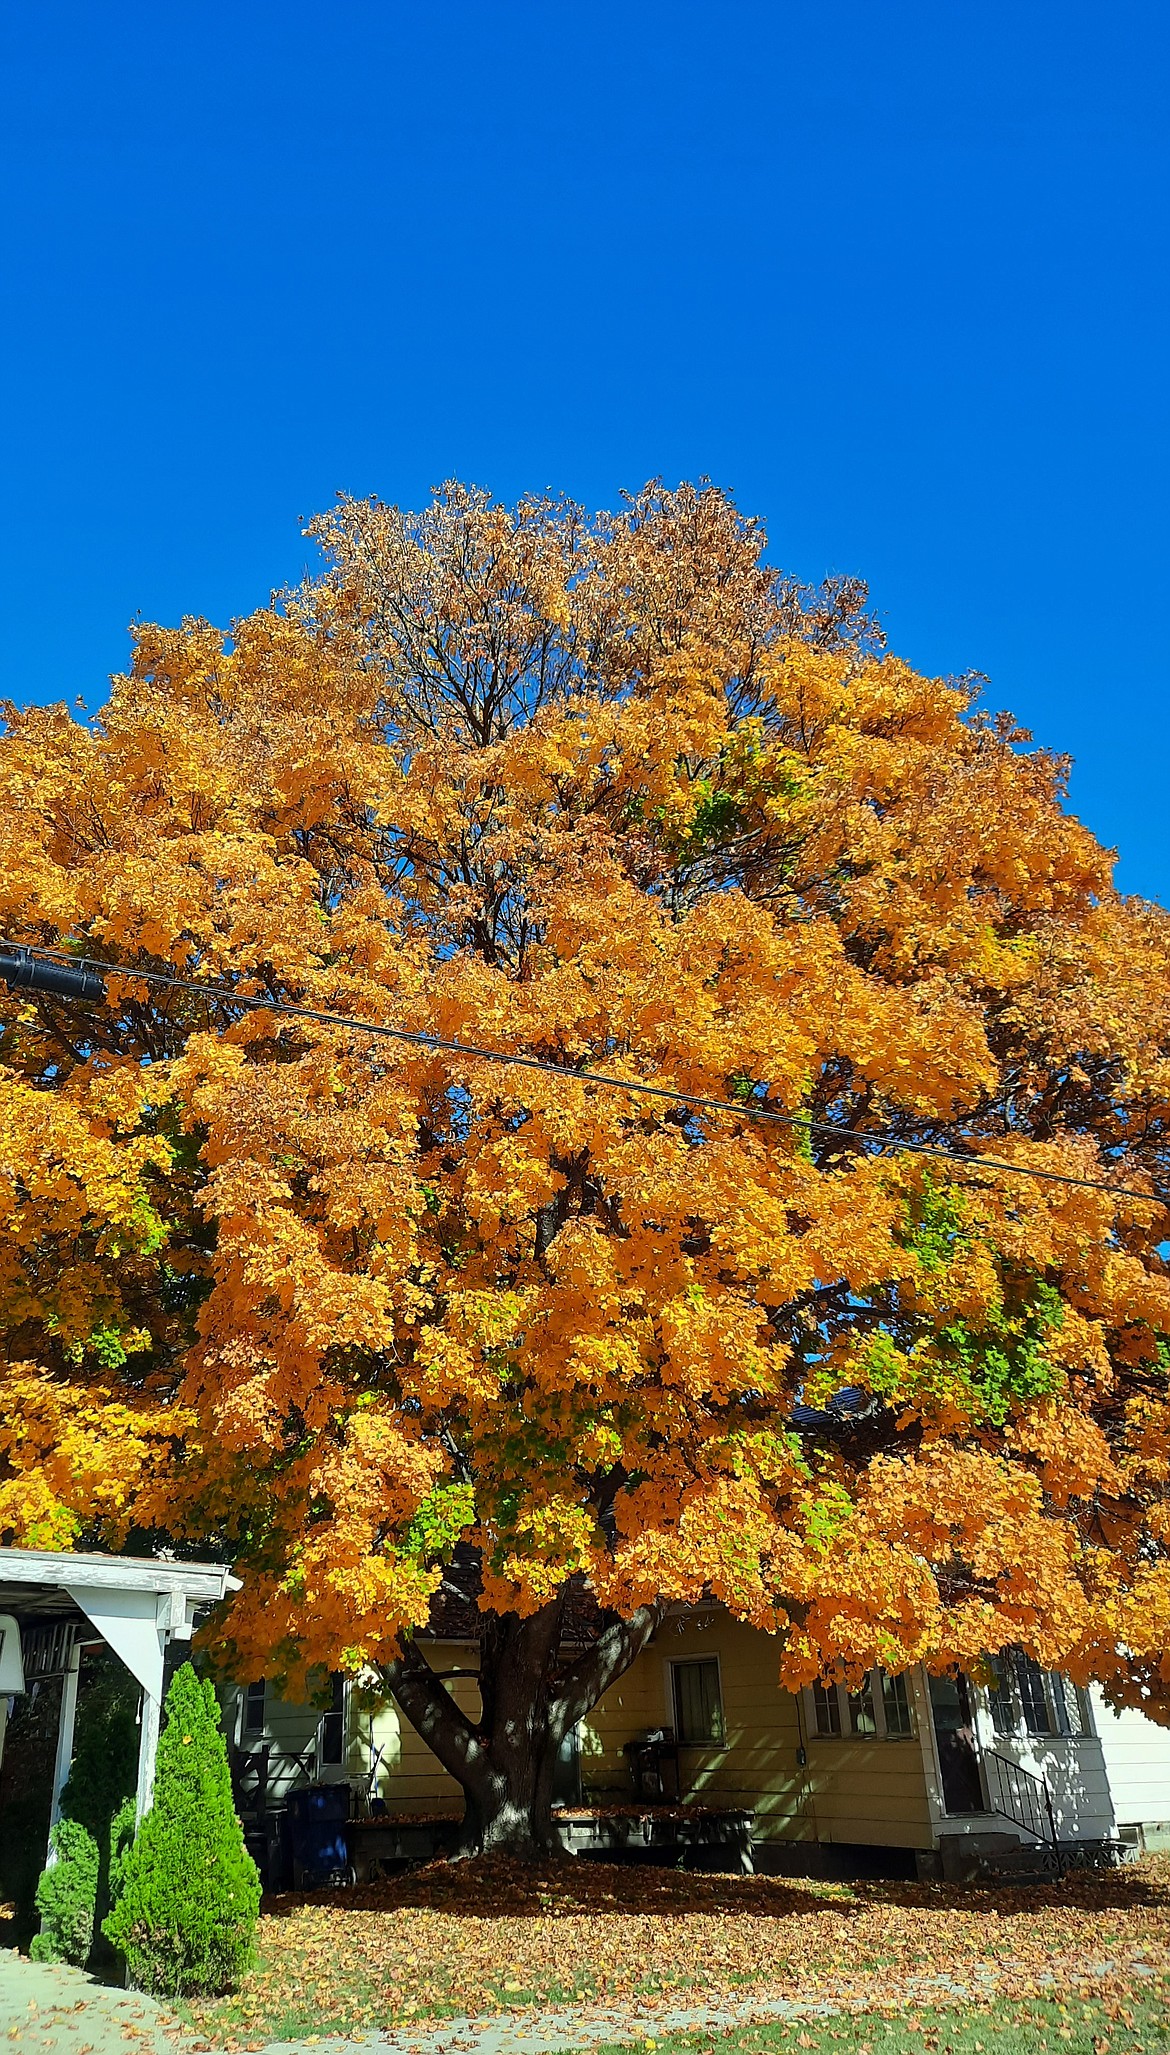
(493, 1935)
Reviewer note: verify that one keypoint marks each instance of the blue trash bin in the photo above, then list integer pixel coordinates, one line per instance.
(320, 1844)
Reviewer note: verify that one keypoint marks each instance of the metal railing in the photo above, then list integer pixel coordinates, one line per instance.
(1022, 1797)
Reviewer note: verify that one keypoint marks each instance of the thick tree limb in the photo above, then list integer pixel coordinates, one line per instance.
(616, 1647)
(430, 1708)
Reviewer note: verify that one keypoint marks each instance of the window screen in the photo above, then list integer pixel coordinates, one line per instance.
(254, 1708)
(698, 1709)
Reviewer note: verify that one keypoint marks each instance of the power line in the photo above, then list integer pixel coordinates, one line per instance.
(54, 972)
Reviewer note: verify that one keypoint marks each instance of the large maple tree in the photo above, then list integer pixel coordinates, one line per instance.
(612, 794)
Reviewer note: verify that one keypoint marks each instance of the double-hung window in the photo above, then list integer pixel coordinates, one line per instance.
(331, 1733)
(698, 1703)
(879, 1710)
(1028, 1700)
(254, 1702)
(896, 1712)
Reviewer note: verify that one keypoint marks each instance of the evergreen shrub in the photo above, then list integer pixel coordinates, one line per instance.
(67, 1896)
(73, 1893)
(122, 1830)
(186, 1910)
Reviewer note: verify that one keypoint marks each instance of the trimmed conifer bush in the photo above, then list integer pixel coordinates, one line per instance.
(73, 1893)
(123, 1828)
(185, 1916)
(67, 1896)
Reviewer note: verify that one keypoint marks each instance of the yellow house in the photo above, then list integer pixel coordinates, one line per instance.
(910, 1774)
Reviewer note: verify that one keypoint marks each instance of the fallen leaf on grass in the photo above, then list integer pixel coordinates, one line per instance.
(472, 1936)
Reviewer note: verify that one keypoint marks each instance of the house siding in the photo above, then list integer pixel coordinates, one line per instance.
(868, 1792)
(871, 1792)
(755, 1768)
(1137, 1760)
(409, 1778)
(847, 1790)
(289, 1733)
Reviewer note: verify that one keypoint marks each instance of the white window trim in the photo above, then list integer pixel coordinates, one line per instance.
(879, 1712)
(670, 1664)
(333, 1772)
(250, 1735)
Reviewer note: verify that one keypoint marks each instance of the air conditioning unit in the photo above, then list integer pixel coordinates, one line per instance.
(11, 1659)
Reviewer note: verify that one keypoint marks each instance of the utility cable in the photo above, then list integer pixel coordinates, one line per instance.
(43, 971)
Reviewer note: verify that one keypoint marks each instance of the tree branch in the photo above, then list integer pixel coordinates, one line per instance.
(587, 1680)
(432, 1711)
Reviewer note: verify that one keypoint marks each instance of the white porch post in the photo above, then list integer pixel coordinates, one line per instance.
(147, 1751)
(66, 1721)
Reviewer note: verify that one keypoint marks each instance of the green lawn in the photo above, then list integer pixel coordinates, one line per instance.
(1135, 2025)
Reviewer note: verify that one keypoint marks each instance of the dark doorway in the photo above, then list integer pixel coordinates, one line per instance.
(954, 1732)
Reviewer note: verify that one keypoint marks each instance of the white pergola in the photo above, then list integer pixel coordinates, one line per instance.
(136, 1604)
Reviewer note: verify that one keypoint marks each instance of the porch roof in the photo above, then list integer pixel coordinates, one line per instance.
(41, 1580)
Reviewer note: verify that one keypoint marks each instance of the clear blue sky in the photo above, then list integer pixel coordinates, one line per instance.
(895, 274)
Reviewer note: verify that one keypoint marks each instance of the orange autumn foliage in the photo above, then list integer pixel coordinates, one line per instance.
(611, 794)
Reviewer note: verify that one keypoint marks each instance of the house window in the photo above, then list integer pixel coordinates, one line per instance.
(332, 1730)
(1025, 1698)
(1072, 1707)
(698, 1706)
(879, 1711)
(896, 1706)
(1037, 1709)
(1003, 1712)
(826, 1709)
(862, 1718)
(254, 1698)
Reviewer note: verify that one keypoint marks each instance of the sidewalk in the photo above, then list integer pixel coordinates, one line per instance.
(47, 2008)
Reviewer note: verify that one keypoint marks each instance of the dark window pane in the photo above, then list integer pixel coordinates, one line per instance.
(333, 1724)
(698, 1712)
(254, 1708)
(1003, 1712)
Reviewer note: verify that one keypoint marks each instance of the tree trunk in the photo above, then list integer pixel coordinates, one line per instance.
(506, 1761)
